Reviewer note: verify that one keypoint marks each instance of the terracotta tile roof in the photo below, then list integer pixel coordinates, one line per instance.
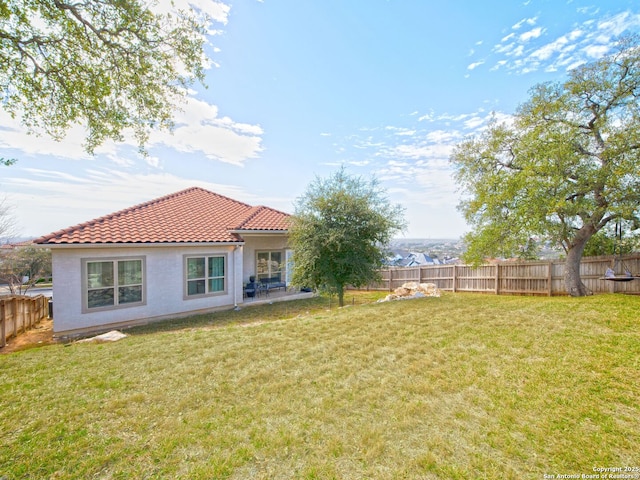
(191, 215)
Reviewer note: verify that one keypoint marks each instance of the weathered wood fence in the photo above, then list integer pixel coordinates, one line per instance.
(19, 313)
(522, 278)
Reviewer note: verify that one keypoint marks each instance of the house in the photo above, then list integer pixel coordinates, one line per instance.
(185, 253)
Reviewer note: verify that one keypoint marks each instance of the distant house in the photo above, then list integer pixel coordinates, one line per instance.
(180, 254)
(415, 259)
(403, 258)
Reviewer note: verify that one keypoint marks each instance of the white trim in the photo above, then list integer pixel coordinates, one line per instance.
(260, 232)
(206, 256)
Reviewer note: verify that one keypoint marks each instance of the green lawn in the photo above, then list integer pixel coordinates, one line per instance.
(462, 386)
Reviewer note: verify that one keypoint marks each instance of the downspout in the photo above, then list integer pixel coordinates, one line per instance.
(235, 278)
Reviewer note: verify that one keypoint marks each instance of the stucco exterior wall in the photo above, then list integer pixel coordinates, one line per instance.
(257, 243)
(164, 286)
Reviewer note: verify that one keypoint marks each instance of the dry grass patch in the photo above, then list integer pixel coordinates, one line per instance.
(463, 386)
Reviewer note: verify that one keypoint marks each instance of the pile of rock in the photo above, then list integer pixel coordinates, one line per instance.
(413, 290)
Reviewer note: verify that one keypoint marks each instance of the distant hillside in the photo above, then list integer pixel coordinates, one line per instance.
(441, 248)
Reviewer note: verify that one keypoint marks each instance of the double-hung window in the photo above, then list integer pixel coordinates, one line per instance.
(205, 275)
(111, 283)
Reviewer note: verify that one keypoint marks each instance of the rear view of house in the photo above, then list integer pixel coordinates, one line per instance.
(180, 254)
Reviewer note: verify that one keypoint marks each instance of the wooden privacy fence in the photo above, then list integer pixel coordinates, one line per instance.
(509, 278)
(19, 313)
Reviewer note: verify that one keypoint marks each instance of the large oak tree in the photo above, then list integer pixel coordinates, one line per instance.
(108, 65)
(566, 167)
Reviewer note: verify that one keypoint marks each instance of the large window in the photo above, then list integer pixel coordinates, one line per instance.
(113, 282)
(270, 265)
(205, 275)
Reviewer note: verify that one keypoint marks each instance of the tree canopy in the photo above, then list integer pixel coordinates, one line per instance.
(564, 168)
(7, 220)
(339, 231)
(21, 267)
(108, 65)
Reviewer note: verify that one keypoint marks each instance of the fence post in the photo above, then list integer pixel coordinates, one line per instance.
(30, 313)
(550, 278)
(3, 337)
(497, 279)
(35, 306)
(14, 316)
(390, 279)
(20, 309)
(455, 280)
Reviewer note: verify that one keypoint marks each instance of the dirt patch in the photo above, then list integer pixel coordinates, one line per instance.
(41, 334)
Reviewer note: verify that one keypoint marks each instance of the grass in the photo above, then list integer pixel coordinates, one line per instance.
(463, 386)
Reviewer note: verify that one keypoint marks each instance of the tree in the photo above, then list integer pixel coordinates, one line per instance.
(22, 267)
(338, 233)
(7, 220)
(108, 65)
(564, 169)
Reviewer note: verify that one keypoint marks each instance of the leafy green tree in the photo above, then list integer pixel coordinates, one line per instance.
(339, 231)
(22, 266)
(108, 65)
(566, 167)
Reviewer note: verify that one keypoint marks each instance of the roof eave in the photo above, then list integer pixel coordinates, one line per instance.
(141, 244)
(260, 232)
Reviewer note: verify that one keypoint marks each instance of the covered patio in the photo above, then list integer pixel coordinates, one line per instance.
(276, 295)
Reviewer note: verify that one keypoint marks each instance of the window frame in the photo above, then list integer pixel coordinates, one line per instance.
(282, 264)
(206, 278)
(116, 284)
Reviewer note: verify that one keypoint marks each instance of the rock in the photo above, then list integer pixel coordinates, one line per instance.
(413, 290)
(112, 336)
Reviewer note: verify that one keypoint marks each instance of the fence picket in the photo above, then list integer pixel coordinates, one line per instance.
(20, 313)
(521, 278)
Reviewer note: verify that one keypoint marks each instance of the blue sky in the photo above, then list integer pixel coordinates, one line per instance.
(298, 88)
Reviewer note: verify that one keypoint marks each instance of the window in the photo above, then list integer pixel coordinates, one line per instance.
(205, 275)
(113, 282)
(269, 265)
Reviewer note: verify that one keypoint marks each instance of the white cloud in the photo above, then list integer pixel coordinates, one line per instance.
(198, 130)
(474, 65)
(619, 23)
(426, 117)
(498, 65)
(531, 34)
(506, 49)
(443, 136)
(400, 131)
(547, 51)
(422, 151)
(508, 37)
(216, 11)
(528, 21)
(474, 122)
(92, 193)
(593, 38)
(596, 51)
(518, 51)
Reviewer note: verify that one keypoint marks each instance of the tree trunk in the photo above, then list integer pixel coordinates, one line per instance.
(572, 281)
(341, 295)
